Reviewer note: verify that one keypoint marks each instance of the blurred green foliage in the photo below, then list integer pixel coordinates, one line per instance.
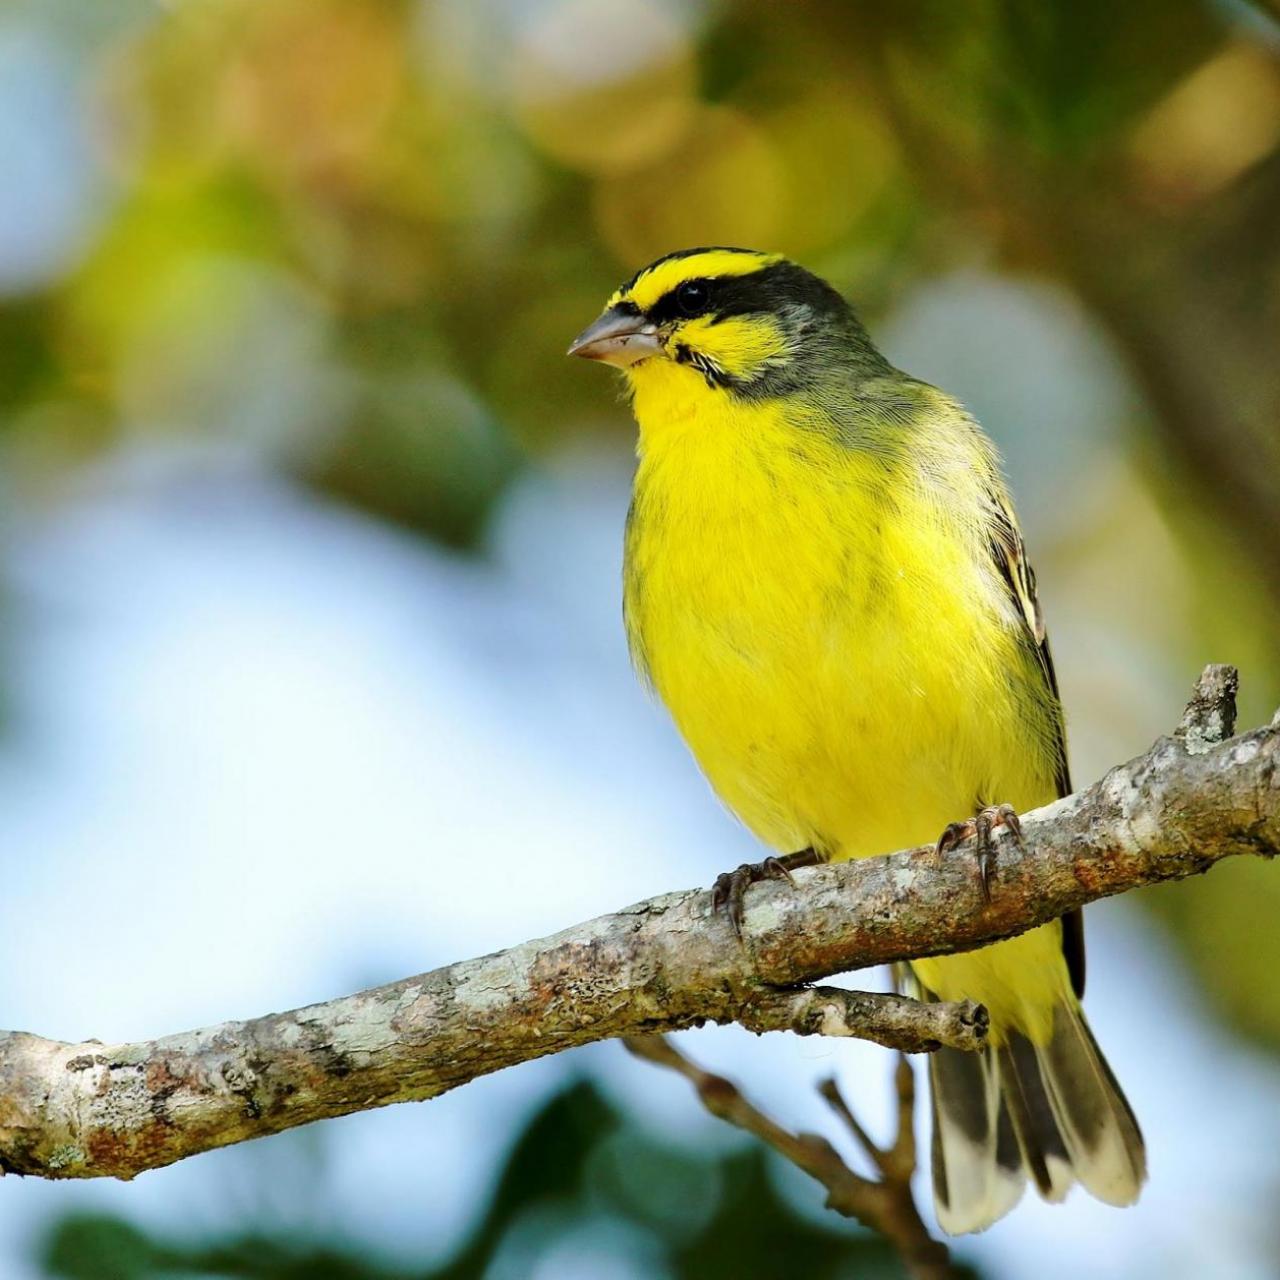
(435, 196)
(579, 1165)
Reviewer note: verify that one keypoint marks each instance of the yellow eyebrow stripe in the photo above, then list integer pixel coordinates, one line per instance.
(660, 279)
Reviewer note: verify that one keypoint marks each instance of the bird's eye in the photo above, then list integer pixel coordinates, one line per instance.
(691, 297)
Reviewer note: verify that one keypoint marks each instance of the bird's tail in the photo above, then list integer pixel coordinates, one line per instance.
(1050, 1111)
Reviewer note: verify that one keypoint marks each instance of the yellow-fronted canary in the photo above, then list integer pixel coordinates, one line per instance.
(826, 584)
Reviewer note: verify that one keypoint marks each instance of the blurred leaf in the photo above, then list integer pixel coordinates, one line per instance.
(97, 1247)
(28, 366)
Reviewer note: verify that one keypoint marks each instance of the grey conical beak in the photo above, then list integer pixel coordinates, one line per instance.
(619, 338)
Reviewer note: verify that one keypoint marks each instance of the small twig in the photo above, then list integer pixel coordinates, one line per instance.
(897, 1162)
(904, 1146)
(897, 1022)
(884, 1205)
(835, 1100)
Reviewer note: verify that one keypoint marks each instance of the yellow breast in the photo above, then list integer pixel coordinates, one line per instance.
(824, 625)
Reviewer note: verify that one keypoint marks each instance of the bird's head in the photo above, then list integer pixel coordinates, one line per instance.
(739, 321)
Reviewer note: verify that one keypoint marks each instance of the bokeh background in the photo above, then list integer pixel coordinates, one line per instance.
(311, 667)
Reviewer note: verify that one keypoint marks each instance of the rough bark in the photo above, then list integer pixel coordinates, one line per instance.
(92, 1110)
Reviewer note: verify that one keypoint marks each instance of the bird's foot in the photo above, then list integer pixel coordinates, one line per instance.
(730, 888)
(980, 826)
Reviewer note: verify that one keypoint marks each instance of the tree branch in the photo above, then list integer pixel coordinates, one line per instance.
(94, 1110)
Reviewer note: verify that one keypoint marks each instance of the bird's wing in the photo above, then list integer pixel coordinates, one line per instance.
(1010, 555)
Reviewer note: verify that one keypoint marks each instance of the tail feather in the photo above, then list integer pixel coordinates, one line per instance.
(978, 1173)
(1094, 1117)
(1053, 1112)
(1043, 1150)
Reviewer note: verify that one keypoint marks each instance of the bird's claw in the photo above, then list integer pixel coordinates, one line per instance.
(981, 825)
(730, 889)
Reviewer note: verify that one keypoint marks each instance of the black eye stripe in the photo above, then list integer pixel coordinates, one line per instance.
(777, 289)
(763, 290)
(688, 299)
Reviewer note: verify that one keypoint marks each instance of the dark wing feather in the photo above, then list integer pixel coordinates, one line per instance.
(1010, 554)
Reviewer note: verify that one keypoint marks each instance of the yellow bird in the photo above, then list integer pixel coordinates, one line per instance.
(826, 584)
